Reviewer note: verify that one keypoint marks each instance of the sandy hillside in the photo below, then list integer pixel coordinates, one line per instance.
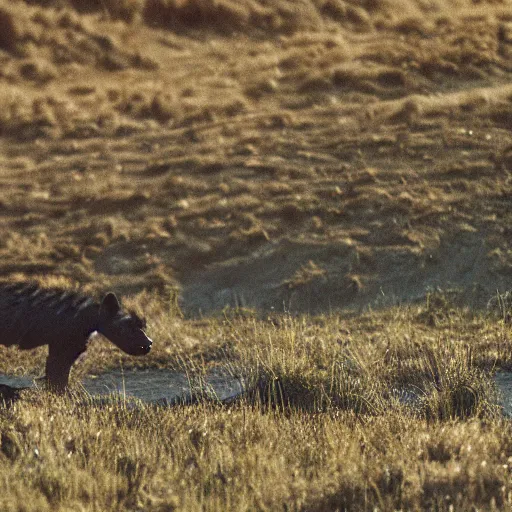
(306, 155)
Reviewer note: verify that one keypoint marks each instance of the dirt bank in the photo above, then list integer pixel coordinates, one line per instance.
(304, 156)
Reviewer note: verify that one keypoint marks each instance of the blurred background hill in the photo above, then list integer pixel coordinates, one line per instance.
(301, 155)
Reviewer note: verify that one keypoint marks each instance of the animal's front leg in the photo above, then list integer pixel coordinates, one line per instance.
(58, 367)
(57, 374)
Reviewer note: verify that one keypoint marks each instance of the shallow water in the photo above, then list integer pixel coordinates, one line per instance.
(152, 385)
(169, 387)
(504, 384)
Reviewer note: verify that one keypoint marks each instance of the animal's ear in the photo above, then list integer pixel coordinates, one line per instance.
(109, 305)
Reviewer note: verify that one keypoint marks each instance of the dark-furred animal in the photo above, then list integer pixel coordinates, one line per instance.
(31, 316)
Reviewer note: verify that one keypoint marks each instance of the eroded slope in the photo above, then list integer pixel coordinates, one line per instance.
(260, 153)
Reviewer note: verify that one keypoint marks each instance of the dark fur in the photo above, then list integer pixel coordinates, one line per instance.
(31, 316)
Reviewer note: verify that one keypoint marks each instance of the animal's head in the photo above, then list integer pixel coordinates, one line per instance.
(126, 330)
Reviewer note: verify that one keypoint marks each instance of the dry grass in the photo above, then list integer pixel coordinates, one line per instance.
(321, 428)
(244, 458)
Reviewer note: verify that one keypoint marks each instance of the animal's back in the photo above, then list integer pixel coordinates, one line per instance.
(31, 316)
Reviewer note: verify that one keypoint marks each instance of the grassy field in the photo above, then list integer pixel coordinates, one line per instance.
(313, 195)
(325, 423)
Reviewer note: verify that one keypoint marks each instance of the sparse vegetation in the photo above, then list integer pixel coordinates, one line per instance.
(313, 195)
(341, 413)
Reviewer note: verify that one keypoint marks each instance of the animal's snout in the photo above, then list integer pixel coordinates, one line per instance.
(146, 347)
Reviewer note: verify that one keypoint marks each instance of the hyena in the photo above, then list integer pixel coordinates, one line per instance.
(31, 316)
